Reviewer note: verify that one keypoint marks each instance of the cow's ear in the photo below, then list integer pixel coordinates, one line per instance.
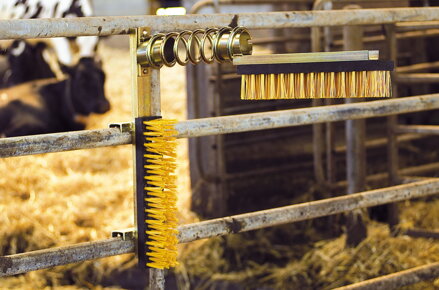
(98, 61)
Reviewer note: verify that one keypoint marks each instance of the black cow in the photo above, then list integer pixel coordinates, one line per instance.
(50, 105)
(26, 63)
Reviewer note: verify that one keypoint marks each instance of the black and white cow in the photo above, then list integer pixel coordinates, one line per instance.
(51, 105)
(28, 60)
(26, 9)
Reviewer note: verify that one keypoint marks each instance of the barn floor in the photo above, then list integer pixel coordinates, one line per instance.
(64, 198)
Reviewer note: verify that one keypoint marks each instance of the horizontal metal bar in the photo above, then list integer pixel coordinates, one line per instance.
(70, 27)
(380, 142)
(203, 3)
(421, 233)
(408, 171)
(397, 280)
(418, 129)
(304, 57)
(42, 259)
(418, 67)
(401, 35)
(28, 145)
(409, 26)
(417, 78)
(36, 144)
(305, 211)
(22, 263)
(305, 116)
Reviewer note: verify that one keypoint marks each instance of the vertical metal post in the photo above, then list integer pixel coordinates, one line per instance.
(355, 146)
(317, 129)
(330, 149)
(392, 122)
(146, 102)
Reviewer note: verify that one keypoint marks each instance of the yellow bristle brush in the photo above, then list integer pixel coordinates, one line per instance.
(157, 195)
(345, 74)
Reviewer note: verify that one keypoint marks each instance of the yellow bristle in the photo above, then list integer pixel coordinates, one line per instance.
(161, 192)
(361, 84)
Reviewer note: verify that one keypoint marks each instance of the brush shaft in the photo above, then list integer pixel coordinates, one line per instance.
(141, 205)
(334, 56)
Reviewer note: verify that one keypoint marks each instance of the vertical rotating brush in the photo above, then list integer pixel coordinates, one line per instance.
(157, 195)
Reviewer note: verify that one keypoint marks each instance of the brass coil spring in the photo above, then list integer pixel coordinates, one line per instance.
(213, 44)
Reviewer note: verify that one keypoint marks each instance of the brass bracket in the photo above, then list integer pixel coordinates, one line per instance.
(125, 127)
(142, 35)
(125, 234)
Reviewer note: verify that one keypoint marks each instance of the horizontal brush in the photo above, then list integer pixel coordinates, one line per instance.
(342, 75)
(364, 84)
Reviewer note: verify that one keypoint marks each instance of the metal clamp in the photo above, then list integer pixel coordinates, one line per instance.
(125, 234)
(125, 127)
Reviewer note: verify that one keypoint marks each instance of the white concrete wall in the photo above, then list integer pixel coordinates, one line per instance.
(120, 7)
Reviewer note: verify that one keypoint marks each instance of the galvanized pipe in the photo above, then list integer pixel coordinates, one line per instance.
(418, 67)
(305, 116)
(29, 145)
(26, 262)
(410, 26)
(42, 259)
(102, 26)
(418, 129)
(380, 142)
(58, 142)
(305, 211)
(397, 280)
(318, 129)
(409, 171)
(417, 78)
(356, 230)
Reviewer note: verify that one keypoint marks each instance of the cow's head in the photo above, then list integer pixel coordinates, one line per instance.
(87, 82)
(26, 63)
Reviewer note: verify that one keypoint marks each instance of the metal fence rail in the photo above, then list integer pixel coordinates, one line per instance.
(102, 26)
(397, 280)
(22, 263)
(28, 145)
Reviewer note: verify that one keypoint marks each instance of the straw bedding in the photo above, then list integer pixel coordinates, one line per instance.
(64, 198)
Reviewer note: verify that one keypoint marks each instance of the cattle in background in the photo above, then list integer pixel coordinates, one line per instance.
(28, 9)
(51, 105)
(26, 62)
(34, 60)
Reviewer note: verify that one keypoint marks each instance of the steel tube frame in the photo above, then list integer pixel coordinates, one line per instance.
(397, 280)
(418, 129)
(103, 26)
(305, 116)
(45, 143)
(43, 28)
(417, 78)
(356, 230)
(21, 263)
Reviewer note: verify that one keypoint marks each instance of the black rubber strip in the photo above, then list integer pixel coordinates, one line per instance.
(141, 183)
(339, 66)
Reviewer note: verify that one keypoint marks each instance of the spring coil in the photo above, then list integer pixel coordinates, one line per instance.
(194, 46)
